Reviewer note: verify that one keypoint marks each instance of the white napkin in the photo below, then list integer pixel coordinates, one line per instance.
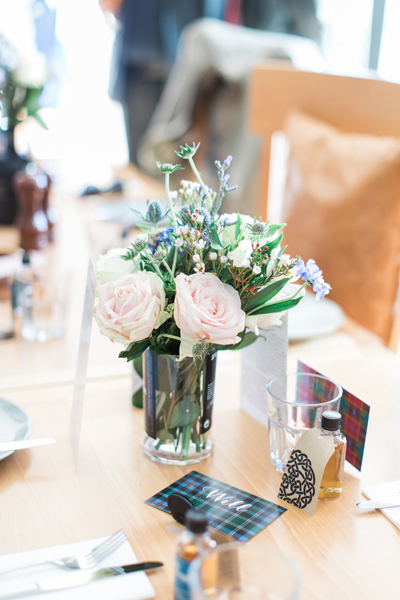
(385, 490)
(129, 586)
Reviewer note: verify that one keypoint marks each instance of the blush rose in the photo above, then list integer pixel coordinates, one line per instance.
(129, 309)
(207, 309)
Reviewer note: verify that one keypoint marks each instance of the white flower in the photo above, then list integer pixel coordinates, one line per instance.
(223, 259)
(246, 264)
(179, 242)
(230, 255)
(256, 270)
(285, 259)
(242, 254)
(272, 263)
(173, 195)
(196, 258)
(213, 256)
(200, 218)
(200, 245)
(200, 268)
(32, 70)
(111, 266)
(184, 230)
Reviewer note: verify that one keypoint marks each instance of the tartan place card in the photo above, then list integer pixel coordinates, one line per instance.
(229, 509)
(355, 415)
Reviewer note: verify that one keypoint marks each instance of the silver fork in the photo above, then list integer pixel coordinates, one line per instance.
(82, 561)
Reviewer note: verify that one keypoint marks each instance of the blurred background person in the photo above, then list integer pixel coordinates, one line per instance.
(147, 40)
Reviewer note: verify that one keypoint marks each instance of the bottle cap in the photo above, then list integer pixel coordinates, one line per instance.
(331, 420)
(196, 520)
(179, 504)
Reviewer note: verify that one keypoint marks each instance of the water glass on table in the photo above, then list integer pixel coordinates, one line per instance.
(43, 297)
(244, 572)
(296, 403)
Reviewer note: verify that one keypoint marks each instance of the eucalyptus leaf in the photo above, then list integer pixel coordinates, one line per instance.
(265, 294)
(185, 412)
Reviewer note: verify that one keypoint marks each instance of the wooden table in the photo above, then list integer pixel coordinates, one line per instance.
(343, 553)
(43, 501)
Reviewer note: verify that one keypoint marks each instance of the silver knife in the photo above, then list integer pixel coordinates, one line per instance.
(381, 502)
(70, 580)
(23, 444)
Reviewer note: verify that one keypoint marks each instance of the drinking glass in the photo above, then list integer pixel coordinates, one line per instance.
(244, 572)
(296, 403)
(43, 297)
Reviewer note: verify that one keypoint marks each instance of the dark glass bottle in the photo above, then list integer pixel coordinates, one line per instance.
(10, 164)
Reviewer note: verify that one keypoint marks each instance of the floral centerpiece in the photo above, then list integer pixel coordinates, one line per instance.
(194, 283)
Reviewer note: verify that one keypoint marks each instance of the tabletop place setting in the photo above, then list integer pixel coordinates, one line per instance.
(199, 373)
(179, 296)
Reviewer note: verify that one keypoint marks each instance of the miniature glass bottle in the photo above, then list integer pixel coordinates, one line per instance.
(191, 542)
(332, 478)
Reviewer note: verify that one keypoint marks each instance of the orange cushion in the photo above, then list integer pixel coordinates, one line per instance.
(342, 208)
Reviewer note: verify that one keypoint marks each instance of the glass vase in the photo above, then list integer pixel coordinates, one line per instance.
(178, 399)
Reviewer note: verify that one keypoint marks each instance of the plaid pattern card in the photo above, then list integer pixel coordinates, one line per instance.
(355, 415)
(229, 509)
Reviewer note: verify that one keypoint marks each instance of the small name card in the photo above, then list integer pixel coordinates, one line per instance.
(261, 362)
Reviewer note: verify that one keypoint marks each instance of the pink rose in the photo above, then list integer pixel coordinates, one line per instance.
(207, 309)
(129, 308)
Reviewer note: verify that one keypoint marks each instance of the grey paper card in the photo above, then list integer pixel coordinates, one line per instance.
(263, 360)
(82, 362)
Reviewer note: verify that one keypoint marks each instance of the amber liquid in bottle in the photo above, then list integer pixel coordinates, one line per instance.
(331, 482)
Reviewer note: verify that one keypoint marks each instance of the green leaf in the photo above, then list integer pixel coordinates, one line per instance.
(214, 239)
(274, 307)
(137, 399)
(40, 121)
(185, 412)
(264, 295)
(274, 228)
(138, 365)
(225, 275)
(239, 223)
(274, 243)
(164, 435)
(247, 339)
(134, 350)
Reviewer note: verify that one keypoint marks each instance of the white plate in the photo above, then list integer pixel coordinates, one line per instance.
(15, 424)
(311, 319)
